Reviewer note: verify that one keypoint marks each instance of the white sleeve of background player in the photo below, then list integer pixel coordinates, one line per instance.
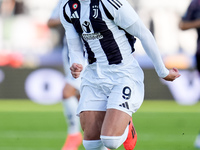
(139, 30)
(123, 13)
(74, 43)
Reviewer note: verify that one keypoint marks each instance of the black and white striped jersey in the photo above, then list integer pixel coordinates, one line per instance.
(103, 26)
(100, 24)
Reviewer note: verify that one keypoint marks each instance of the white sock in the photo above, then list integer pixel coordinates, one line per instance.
(93, 145)
(69, 107)
(197, 141)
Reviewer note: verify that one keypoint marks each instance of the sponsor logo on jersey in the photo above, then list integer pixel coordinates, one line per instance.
(116, 3)
(75, 15)
(125, 105)
(95, 11)
(92, 36)
(86, 26)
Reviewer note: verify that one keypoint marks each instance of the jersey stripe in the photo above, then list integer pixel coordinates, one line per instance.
(77, 25)
(91, 56)
(65, 15)
(74, 15)
(107, 12)
(109, 46)
(131, 39)
(115, 3)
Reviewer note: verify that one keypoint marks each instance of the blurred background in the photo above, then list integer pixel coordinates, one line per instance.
(32, 78)
(30, 52)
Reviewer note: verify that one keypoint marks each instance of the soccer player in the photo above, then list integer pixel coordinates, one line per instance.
(70, 91)
(112, 83)
(190, 20)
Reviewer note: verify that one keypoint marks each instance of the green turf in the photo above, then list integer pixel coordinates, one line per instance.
(161, 125)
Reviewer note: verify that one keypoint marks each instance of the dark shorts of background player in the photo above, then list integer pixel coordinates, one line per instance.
(198, 61)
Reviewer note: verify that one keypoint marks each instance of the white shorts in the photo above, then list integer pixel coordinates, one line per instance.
(76, 83)
(118, 91)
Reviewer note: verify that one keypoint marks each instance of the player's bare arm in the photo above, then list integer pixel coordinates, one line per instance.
(76, 70)
(173, 74)
(185, 25)
(53, 22)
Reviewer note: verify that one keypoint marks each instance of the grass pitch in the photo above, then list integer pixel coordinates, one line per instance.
(161, 125)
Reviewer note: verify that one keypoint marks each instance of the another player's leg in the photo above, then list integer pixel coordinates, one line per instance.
(197, 141)
(70, 104)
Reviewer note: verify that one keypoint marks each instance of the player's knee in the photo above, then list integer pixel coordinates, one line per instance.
(111, 142)
(68, 91)
(93, 145)
(66, 95)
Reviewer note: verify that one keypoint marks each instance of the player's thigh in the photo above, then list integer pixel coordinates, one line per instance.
(115, 122)
(127, 96)
(91, 123)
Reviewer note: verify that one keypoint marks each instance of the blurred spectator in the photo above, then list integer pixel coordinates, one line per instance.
(27, 35)
(190, 20)
(7, 7)
(11, 7)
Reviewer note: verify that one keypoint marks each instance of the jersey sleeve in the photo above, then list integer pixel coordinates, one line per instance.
(122, 12)
(73, 40)
(69, 28)
(139, 30)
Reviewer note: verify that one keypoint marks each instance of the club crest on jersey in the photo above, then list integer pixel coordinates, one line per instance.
(75, 6)
(86, 26)
(95, 11)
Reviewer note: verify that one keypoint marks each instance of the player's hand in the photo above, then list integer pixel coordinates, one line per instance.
(173, 74)
(76, 70)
